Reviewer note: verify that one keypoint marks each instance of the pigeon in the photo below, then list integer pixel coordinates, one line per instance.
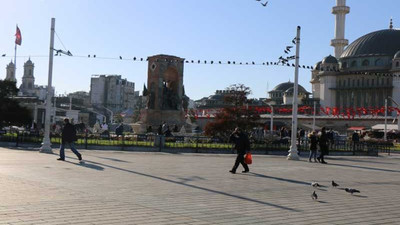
(315, 184)
(286, 51)
(294, 41)
(264, 4)
(120, 57)
(3, 55)
(334, 184)
(94, 56)
(314, 196)
(288, 48)
(351, 190)
(258, 0)
(88, 56)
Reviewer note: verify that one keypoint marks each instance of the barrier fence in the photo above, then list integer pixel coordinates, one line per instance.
(187, 142)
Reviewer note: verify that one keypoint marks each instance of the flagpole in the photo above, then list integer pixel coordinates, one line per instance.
(15, 60)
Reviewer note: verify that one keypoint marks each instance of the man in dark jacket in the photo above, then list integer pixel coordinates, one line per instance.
(323, 145)
(68, 137)
(242, 145)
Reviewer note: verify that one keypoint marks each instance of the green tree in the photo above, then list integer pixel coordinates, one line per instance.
(11, 113)
(236, 113)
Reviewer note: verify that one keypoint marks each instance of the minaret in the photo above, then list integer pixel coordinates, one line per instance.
(340, 11)
(10, 72)
(28, 80)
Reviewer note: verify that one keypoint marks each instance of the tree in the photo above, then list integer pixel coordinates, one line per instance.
(236, 113)
(11, 113)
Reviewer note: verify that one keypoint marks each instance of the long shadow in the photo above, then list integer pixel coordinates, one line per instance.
(281, 179)
(197, 187)
(85, 164)
(365, 167)
(357, 160)
(112, 159)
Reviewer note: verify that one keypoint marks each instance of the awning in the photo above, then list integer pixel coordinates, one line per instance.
(356, 128)
(382, 127)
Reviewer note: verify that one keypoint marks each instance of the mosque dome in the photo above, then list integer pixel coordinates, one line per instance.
(283, 87)
(318, 65)
(329, 59)
(379, 43)
(397, 55)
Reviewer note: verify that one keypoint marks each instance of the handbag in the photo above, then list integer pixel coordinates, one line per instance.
(248, 159)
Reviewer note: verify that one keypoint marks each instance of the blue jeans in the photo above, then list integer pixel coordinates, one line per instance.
(73, 149)
(313, 153)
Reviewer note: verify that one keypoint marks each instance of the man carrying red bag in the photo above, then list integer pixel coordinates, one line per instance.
(242, 145)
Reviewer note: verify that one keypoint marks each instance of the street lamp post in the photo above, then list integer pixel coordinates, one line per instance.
(385, 133)
(272, 119)
(293, 155)
(46, 145)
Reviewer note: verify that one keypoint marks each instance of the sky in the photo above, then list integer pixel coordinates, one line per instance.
(218, 30)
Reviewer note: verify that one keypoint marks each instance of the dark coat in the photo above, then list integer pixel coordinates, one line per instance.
(242, 143)
(119, 130)
(324, 143)
(69, 133)
(313, 142)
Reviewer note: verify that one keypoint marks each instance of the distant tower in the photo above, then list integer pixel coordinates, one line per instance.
(11, 72)
(340, 10)
(28, 80)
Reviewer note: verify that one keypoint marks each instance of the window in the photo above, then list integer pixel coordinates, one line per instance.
(354, 64)
(340, 83)
(397, 64)
(379, 62)
(344, 65)
(358, 83)
(362, 81)
(354, 83)
(30, 72)
(372, 82)
(368, 82)
(365, 62)
(387, 81)
(348, 82)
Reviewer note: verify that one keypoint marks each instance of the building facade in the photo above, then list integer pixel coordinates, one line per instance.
(112, 92)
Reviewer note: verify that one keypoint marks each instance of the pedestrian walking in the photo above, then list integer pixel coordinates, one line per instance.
(313, 146)
(242, 145)
(323, 145)
(355, 138)
(68, 137)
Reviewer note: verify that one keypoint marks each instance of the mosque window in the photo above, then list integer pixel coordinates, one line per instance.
(358, 83)
(368, 82)
(348, 82)
(362, 82)
(344, 83)
(354, 63)
(372, 82)
(379, 62)
(30, 72)
(340, 83)
(397, 64)
(387, 81)
(354, 82)
(344, 65)
(365, 62)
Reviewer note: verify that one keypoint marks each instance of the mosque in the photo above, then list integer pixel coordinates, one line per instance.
(364, 73)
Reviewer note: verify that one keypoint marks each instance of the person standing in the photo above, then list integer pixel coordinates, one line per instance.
(68, 137)
(355, 138)
(313, 146)
(323, 145)
(242, 145)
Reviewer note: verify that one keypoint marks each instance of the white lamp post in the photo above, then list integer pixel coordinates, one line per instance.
(46, 145)
(112, 115)
(272, 119)
(293, 155)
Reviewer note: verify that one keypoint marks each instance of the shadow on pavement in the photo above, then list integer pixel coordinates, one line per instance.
(365, 167)
(197, 187)
(281, 179)
(358, 160)
(112, 159)
(87, 165)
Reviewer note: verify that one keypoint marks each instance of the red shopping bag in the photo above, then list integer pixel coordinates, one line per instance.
(248, 159)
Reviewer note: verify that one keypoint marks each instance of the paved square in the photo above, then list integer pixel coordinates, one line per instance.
(115, 187)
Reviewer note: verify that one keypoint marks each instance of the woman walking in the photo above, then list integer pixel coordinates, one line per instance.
(313, 146)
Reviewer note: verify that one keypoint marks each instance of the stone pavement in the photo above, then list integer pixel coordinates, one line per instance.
(113, 187)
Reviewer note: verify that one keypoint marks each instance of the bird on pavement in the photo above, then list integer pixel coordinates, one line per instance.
(315, 184)
(334, 184)
(314, 196)
(351, 190)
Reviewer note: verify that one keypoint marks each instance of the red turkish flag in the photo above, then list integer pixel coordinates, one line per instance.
(18, 37)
